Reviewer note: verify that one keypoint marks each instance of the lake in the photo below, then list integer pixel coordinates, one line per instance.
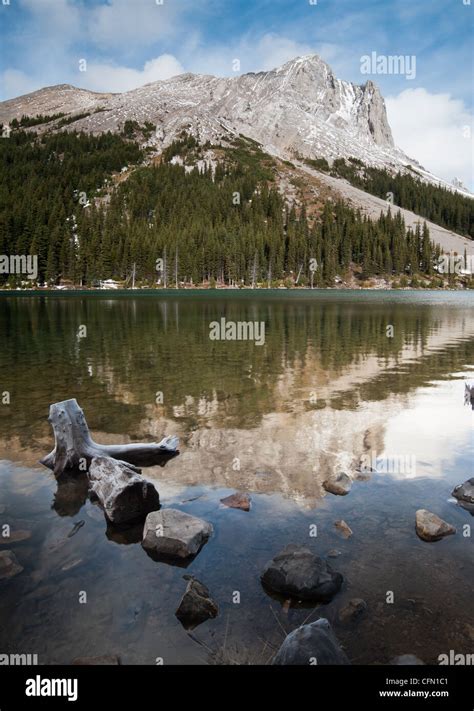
(340, 376)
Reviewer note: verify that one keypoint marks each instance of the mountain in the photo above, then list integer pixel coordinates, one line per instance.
(300, 108)
(62, 98)
(299, 112)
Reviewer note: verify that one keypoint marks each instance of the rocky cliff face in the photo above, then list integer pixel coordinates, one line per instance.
(300, 107)
(303, 107)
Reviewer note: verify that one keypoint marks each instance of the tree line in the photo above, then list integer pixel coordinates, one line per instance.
(226, 222)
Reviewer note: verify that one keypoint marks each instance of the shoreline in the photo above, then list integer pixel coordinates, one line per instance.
(148, 291)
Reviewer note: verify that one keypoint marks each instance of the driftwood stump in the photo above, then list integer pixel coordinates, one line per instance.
(75, 447)
(123, 494)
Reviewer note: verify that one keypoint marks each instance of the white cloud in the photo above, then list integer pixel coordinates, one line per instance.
(56, 34)
(108, 77)
(15, 83)
(269, 51)
(273, 50)
(59, 20)
(120, 22)
(113, 24)
(436, 130)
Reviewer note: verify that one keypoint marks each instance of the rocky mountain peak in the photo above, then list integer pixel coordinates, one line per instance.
(299, 108)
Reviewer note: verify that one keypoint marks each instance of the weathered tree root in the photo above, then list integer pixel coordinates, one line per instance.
(75, 447)
(124, 496)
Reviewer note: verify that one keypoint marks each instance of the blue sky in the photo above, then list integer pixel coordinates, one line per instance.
(127, 43)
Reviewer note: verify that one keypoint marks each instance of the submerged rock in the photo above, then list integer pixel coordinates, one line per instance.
(196, 605)
(237, 501)
(15, 537)
(124, 495)
(174, 534)
(464, 493)
(106, 660)
(9, 565)
(343, 528)
(431, 527)
(339, 484)
(298, 573)
(313, 644)
(352, 611)
(407, 660)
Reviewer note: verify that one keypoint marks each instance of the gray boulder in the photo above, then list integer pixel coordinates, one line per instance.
(124, 495)
(196, 605)
(297, 572)
(339, 484)
(313, 644)
(174, 534)
(465, 492)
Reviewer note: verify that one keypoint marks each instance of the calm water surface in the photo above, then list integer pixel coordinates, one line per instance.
(327, 387)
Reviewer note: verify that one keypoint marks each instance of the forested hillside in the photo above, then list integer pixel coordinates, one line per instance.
(225, 222)
(447, 208)
(41, 182)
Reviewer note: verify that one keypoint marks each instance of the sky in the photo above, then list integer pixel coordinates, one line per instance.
(127, 43)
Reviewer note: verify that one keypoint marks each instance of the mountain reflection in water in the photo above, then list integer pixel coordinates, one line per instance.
(328, 388)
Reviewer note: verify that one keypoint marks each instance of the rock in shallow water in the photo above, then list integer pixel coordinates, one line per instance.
(9, 565)
(313, 644)
(174, 534)
(339, 484)
(297, 572)
(196, 605)
(237, 501)
(15, 537)
(352, 611)
(465, 492)
(431, 527)
(343, 528)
